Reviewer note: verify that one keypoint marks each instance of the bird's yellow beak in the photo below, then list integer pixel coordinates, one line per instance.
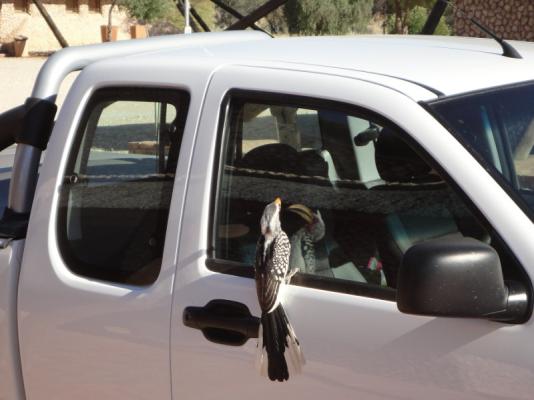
(301, 210)
(278, 201)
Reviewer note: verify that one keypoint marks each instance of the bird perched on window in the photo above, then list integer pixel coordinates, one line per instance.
(278, 348)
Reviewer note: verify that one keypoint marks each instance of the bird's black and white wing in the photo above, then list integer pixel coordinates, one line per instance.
(271, 269)
(278, 347)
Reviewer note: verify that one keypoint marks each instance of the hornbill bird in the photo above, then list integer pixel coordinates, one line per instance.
(278, 348)
(303, 240)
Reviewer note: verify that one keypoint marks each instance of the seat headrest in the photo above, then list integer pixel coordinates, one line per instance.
(275, 157)
(396, 161)
(313, 163)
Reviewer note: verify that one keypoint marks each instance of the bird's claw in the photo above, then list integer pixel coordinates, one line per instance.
(291, 274)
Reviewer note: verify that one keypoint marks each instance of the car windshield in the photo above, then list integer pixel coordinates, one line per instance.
(497, 125)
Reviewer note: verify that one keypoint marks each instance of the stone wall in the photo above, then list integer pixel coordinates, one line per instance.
(511, 19)
(81, 27)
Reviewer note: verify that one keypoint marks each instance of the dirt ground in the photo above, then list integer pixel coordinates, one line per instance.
(17, 76)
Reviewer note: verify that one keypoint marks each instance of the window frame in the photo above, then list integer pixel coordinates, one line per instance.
(99, 96)
(72, 6)
(244, 270)
(21, 6)
(94, 6)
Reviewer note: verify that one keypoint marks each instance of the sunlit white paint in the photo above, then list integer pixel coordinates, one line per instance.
(355, 346)
(11, 386)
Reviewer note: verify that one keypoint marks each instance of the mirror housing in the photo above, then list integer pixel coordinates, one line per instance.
(458, 277)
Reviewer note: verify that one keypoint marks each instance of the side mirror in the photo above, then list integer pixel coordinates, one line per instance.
(363, 138)
(459, 277)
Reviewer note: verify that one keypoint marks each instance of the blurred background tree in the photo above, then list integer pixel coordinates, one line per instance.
(400, 11)
(275, 22)
(409, 16)
(417, 17)
(320, 17)
(173, 21)
(147, 10)
(301, 17)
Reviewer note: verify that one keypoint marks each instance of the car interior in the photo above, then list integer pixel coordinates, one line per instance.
(375, 195)
(113, 215)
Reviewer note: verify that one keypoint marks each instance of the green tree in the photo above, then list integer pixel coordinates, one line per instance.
(399, 11)
(142, 10)
(146, 10)
(409, 16)
(417, 17)
(275, 22)
(320, 17)
(173, 21)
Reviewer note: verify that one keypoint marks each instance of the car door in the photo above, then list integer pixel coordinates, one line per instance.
(96, 280)
(310, 139)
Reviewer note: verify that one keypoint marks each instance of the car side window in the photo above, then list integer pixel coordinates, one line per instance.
(117, 189)
(355, 194)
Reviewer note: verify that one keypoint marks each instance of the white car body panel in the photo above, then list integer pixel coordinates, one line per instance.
(450, 65)
(355, 346)
(11, 386)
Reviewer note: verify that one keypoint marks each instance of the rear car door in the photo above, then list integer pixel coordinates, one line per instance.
(96, 280)
(330, 144)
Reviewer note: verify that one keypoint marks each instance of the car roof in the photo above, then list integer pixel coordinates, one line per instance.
(449, 65)
(441, 65)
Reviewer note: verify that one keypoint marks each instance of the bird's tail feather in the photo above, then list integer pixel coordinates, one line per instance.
(261, 354)
(279, 351)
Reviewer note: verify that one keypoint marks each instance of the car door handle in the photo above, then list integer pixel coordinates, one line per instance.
(223, 322)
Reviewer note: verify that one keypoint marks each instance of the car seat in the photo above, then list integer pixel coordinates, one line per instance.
(415, 204)
(273, 164)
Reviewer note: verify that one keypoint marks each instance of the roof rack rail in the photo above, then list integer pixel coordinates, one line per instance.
(437, 13)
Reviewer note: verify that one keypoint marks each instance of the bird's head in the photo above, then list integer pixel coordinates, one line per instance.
(270, 220)
(314, 221)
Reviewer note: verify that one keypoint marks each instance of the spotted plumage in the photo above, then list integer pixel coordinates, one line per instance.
(278, 347)
(308, 252)
(303, 255)
(271, 269)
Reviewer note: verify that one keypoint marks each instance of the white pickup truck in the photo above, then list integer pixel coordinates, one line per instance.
(126, 261)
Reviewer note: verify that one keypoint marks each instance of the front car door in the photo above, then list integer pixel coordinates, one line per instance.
(331, 144)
